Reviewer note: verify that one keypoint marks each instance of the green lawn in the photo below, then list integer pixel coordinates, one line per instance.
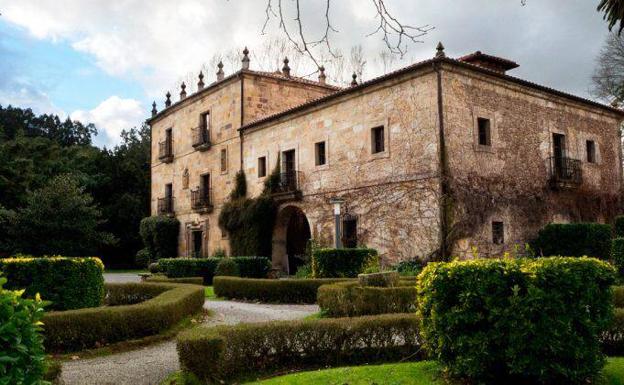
(209, 292)
(412, 373)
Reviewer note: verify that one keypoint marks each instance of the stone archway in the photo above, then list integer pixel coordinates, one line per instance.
(290, 238)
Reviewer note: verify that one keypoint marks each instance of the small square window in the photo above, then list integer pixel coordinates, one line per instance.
(319, 153)
(262, 167)
(378, 140)
(223, 160)
(498, 233)
(485, 138)
(591, 151)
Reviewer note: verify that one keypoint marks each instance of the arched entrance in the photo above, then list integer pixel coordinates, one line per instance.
(290, 238)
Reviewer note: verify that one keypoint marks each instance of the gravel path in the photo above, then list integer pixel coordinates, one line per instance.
(121, 277)
(152, 364)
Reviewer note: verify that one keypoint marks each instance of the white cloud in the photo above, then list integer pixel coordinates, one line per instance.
(21, 93)
(111, 117)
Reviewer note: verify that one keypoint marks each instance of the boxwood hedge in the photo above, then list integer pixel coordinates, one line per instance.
(350, 299)
(341, 263)
(574, 240)
(612, 339)
(80, 329)
(533, 321)
(251, 267)
(227, 354)
(271, 290)
(165, 279)
(68, 283)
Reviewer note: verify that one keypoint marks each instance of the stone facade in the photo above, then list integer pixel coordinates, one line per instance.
(411, 186)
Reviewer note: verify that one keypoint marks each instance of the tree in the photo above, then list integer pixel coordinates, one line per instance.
(59, 218)
(608, 78)
(613, 13)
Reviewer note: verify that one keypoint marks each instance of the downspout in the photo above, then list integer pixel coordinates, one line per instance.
(242, 118)
(445, 199)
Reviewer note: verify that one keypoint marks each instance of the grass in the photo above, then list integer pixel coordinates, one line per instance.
(209, 292)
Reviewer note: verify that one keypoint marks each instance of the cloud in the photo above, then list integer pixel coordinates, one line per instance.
(111, 117)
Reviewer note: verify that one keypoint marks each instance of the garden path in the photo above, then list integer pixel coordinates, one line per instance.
(152, 364)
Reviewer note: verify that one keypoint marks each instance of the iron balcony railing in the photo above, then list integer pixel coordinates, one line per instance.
(565, 172)
(201, 137)
(201, 198)
(288, 182)
(165, 206)
(165, 149)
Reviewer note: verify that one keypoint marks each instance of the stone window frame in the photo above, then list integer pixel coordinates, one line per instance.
(385, 122)
(482, 113)
(222, 170)
(266, 161)
(284, 148)
(327, 161)
(204, 227)
(597, 154)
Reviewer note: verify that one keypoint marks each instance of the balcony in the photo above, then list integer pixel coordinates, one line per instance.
(565, 173)
(165, 206)
(287, 187)
(201, 200)
(201, 138)
(165, 151)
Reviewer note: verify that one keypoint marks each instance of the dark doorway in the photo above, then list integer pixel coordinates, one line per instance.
(297, 237)
(289, 161)
(196, 237)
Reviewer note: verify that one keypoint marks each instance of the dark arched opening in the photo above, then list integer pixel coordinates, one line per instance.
(290, 239)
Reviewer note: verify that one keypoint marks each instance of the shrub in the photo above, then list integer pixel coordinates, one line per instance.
(618, 296)
(383, 279)
(21, 343)
(410, 267)
(228, 353)
(160, 236)
(350, 299)
(68, 283)
(163, 278)
(74, 330)
(617, 255)
(227, 267)
(253, 267)
(334, 263)
(154, 268)
(143, 258)
(270, 290)
(190, 267)
(304, 271)
(526, 321)
(574, 240)
(613, 339)
(619, 226)
(219, 253)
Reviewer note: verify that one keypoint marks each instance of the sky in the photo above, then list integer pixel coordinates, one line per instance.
(105, 61)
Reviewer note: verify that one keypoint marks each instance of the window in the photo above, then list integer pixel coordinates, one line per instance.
(262, 166)
(377, 136)
(591, 151)
(319, 153)
(205, 121)
(349, 231)
(223, 160)
(204, 185)
(498, 233)
(485, 138)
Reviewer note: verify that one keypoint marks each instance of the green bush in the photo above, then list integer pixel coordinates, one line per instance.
(619, 226)
(165, 279)
(252, 267)
(74, 330)
(226, 354)
(617, 255)
(21, 345)
(143, 258)
(68, 283)
(160, 236)
(227, 267)
(574, 240)
(381, 279)
(270, 290)
(154, 268)
(410, 267)
(520, 321)
(350, 299)
(618, 296)
(613, 339)
(338, 263)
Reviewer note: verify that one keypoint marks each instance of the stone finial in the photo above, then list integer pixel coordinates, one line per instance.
(245, 59)
(168, 101)
(220, 74)
(354, 80)
(200, 83)
(154, 110)
(322, 78)
(440, 50)
(286, 68)
(183, 91)
(615, 103)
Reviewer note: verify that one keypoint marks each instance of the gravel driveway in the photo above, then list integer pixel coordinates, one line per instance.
(152, 364)
(121, 277)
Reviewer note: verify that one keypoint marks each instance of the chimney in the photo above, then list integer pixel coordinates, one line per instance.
(220, 74)
(200, 83)
(154, 111)
(286, 68)
(245, 59)
(183, 92)
(168, 100)
(492, 63)
(322, 78)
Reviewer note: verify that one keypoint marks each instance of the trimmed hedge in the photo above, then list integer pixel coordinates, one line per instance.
(619, 226)
(227, 354)
(617, 255)
(164, 279)
(160, 237)
(574, 240)
(517, 321)
(252, 267)
(271, 290)
(68, 283)
(613, 339)
(227, 267)
(618, 296)
(74, 330)
(341, 263)
(350, 299)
